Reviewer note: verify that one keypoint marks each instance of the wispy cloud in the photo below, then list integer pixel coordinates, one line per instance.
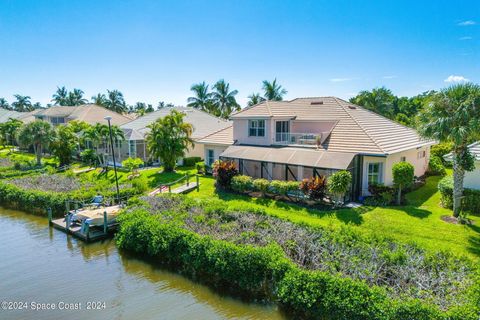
(389, 77)
(465, 38)
(341, 79)
(466, 23)
(453, 78)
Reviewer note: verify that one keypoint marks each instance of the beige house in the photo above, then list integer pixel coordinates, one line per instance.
(306, 137)
(203, 124)
(89, 113)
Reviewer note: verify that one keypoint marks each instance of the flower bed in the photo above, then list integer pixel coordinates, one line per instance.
(315, 272)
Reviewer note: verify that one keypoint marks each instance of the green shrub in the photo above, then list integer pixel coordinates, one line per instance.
(436, 167)
(224, 171)
(191, 161)
(314, 188)
(338, 184)
(140, 184)
(89, 157)
(470, 201)
(242, 183)
(132, 164)
(261, 185)
(279, 187)
(441, 149)
(403, 175)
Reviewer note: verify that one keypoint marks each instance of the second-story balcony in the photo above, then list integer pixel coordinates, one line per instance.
(299, 138)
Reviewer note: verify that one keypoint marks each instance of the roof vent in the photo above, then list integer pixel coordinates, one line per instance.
(315, 103)
(352, 107)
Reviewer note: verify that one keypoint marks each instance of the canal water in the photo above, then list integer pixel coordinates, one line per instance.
(43, 268)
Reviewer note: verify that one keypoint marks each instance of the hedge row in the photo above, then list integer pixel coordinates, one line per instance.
(470, 202)
(266, 273)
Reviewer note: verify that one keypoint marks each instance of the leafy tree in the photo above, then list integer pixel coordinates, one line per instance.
(64, 143)
(338, 184)
(100, 100)
(9, 129)
(132, 164)
(22, 103)
(223, 99)
(4, 104)
(99, 134)
(380, 100)
(37, 134)
(141, 108)
(37, 105)
(255, 98)
(162, 104)
(115, 101)
(453, 115)
(202, 99)
(169, 138)
(273, 91)
(403, 175)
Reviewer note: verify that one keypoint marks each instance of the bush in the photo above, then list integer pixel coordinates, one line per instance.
(440, 150)
(191, 161)
(224, 171)
(314, 188)
(132, 164)
(261, 185)
(470, 201)
(140, 184)
(436, 167)
(89, 157)
(403, 175)
(338, 185)
(381, 195)
(279, 187)
(242, 183)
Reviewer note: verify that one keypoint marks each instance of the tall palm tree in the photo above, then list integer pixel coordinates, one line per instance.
(22, 103)
(169, 138)
(75, 98)
(37, 134)
(202, 99)
(37, 105)
(4, 104)
(273, 91)
(255, 98)
(453, 115)
(100, 100)
(115, 101)
(224, 99)
(60, 97)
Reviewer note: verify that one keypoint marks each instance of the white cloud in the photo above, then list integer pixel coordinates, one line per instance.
(389, 77)
(465, 38)
(453, 78)
(341, 79)
(467, 23)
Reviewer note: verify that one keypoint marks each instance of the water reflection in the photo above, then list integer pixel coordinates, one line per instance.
(42, 264)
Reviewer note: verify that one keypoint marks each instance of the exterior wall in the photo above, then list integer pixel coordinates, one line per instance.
(240, 133)
(420, 165)
(311, 126)
(472, 179)
(197, 151)
(217, 151)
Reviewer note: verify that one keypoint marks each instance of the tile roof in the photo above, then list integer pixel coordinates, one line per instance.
(474, 149)
(27, 117)
(203, 123)
(7, 114)
(358, 130)
(220, 137)
(90, 113)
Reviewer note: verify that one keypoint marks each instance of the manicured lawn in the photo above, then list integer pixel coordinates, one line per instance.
(419, 221)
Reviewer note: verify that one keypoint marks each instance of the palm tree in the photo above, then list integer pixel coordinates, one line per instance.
(115, 101)
(273, 91)
(60, 97)
(453, 115)
(100, 100)
(224, 99)
(169, 139)
(202, 99)
(37, 105)
(4, 104)
(75, 98)
(22, 104)
(255, 98)
(63, 144)
(37, 134)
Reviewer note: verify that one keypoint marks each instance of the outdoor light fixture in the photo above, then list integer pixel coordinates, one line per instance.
(108, 118)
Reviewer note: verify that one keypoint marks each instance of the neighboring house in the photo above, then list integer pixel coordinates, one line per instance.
(5, 115)
(27, 117)
(472, 178)
(306, 137)
(203, 124)
(89, 113)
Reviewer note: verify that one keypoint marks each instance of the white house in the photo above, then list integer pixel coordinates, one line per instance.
(472, 178)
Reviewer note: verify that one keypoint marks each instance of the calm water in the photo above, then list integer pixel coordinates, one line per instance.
(42, 265)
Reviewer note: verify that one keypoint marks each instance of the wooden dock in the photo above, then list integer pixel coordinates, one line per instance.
(85, 231)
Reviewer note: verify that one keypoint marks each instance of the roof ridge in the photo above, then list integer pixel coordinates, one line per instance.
(358, 124)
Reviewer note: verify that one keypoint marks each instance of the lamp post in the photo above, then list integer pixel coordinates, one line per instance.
(108, 118)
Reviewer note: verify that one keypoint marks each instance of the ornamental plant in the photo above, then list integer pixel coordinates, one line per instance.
(315, 187)
(132, 165)
(338, 184)
(224, 171)
(261, 185)
(403, 175)
(242, 183)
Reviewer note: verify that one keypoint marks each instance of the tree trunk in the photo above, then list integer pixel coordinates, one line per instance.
(39, 155)
(399, 195)
(458, 175)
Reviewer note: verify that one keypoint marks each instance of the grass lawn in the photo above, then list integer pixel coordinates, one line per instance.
(419, 221)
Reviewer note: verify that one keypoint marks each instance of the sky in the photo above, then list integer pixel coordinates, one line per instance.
(155, 50)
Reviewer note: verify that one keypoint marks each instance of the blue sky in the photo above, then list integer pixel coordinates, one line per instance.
(155, 50)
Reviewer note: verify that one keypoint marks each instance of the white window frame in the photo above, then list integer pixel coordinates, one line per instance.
(210, 158)
(379, 174)
(132, 152)
(421, 154)
(254, 126)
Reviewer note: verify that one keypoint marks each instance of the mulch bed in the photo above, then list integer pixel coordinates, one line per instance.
(453, 220)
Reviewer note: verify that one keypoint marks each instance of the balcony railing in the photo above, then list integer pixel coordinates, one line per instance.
(303, 138)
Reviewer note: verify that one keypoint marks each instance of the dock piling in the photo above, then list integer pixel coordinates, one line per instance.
(49, 213)
(198, 183)
(105, 222)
